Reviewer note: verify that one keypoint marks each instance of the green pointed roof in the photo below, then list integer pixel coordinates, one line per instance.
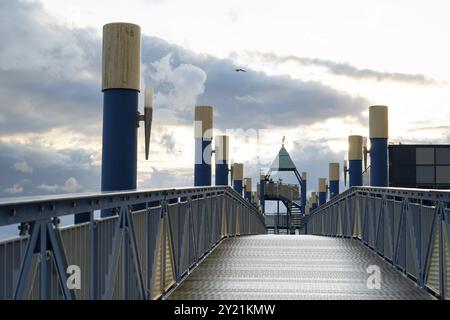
(283, 161)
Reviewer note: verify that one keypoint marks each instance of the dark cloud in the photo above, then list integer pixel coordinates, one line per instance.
(344, 69)
(254, 99)
(49, 74)
(35, 102)
(50, 79)
(63, 171)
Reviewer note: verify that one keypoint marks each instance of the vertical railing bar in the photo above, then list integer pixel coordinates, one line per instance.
(442, 279)
(430, 244)
(133, 249)
(92, 257)
(420, 247)
(27, 260)
(43, 290)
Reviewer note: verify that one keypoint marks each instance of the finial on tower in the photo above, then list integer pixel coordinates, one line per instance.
(284, 140)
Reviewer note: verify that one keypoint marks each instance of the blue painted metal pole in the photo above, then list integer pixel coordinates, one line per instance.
(355, 160)
(238, 176)
(334, 180)
(303, 192)
(262, 190)
(203, 138)
(248, 189)
(120, 85)
(378, 128)
(322, 191)
(222, 157)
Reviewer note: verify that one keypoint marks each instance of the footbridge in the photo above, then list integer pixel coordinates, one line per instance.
(215, 240)
(210, 243)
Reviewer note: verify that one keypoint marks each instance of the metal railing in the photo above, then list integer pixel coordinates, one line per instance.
(151, 242)
(275, 190)
(408, 227)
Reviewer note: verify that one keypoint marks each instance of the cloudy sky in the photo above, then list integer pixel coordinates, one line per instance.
(314, 68)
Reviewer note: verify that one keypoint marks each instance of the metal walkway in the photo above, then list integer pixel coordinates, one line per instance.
(293, 267)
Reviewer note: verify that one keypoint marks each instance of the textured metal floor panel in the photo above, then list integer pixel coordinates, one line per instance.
(286, 267)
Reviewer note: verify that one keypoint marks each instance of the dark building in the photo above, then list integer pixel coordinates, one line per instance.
(419, 166)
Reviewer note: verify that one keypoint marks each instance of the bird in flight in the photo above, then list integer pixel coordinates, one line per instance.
(240, 70)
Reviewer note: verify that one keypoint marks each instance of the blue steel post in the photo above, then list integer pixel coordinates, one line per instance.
(334, 179)
(303, 194)
(262, 188)
(355, 160)
(378, 128)
(222, 157)
(322, 191)
(248, 189)
(203, 138)
(238, 176)
(120, 86)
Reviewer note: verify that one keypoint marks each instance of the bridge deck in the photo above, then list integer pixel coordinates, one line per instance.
(293, 267)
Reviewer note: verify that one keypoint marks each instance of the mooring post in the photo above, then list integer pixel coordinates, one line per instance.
(334, 179)
(314, 200)
(222, 158)
(322, 191)
(378, 133)
(262, 188)
(120, 85)
(238, 176)
(303, 192)
(203, 139)
(355, 160)
(248, 189)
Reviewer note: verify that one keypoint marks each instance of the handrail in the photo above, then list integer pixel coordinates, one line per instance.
(424, 194)
(152, 241)
(277, 189)
(410, 228)
(24, 209)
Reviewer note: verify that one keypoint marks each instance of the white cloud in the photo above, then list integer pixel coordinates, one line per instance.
(250, 99)
(54, 90)
(23, 166)
(70, 186)
(181, 85)
(16, 188)
(49, 188)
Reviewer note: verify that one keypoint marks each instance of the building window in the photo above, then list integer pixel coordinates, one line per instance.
(425, 174)
(443, 174)
(442, 156)
(424, 156)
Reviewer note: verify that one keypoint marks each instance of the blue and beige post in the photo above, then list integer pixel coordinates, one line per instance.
(303, 191)
(322, 191)
(313, 200)
(248, 189)
(355, 160)
(120, 85)
(262, 188)
(222, 158)
(203, 139)
(334, 179)
(238, 176)
(378, 133)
